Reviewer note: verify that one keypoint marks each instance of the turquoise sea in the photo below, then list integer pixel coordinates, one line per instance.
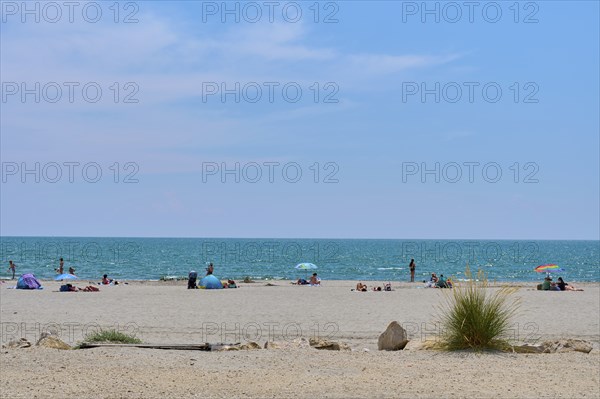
(336, 259)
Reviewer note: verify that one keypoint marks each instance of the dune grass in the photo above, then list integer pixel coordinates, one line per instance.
(475, 317)
(112, 336)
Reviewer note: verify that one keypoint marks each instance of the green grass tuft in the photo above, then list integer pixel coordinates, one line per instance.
(112, 336)
(474, 317)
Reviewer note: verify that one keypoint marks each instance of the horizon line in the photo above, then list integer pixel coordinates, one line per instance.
(310, 238)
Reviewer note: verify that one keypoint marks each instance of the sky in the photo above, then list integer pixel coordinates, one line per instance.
(347, 119)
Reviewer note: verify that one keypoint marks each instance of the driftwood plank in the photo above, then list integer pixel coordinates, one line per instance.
(187, 347)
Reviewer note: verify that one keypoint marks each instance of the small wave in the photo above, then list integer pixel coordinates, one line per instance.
(390, 268)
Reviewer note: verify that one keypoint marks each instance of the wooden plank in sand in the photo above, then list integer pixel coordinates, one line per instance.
(186, 347)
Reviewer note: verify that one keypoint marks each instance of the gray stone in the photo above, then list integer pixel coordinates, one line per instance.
(393, 338)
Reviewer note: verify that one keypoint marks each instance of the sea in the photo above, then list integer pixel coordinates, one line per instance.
(274, 259)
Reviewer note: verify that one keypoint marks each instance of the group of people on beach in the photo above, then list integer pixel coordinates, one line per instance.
(360, 287)
(193, 278)
(438, 282)
(313, 281)
(61, 268)
(434, 280)
(12, 267)
(560, 285)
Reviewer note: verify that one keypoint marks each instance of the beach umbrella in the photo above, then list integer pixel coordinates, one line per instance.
(549, 268)
(306, 267)
(66, 276)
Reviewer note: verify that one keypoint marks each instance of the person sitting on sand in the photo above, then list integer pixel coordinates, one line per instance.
(107, 281)
(566, 287)
(441, 283)
(548, 285)
(432, 281)
(314, 280)
(231, 284)
(361, 287)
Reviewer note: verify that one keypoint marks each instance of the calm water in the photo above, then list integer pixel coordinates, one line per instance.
(153, 258)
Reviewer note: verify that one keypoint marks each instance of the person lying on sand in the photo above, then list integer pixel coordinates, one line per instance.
(377, 289)
(72, 288)
(301, 281)
(361, 287)
(566, 287)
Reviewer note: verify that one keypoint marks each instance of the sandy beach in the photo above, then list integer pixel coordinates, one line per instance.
(166, 312)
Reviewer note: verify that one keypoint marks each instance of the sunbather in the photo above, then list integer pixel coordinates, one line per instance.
(361, 287)
(566, 287)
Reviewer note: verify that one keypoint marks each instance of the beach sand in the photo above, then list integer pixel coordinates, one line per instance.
(166, 312)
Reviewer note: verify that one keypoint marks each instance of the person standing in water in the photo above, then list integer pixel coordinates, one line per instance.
(210, 269)
(412, 268)
(61, 267)
(11, 268)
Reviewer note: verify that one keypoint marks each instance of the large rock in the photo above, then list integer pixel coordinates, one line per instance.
(328, 345)
(393, 338)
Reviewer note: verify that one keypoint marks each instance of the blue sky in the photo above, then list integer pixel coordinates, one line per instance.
(365, 139)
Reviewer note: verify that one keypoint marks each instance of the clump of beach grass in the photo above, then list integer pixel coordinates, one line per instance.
(112, 336)
(474, 317)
